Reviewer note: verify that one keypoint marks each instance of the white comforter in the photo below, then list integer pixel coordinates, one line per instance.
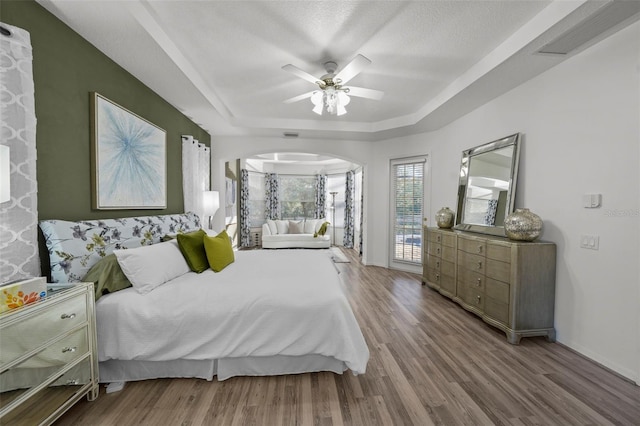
(285, 302)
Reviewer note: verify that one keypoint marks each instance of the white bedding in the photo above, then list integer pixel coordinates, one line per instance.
(267, 303)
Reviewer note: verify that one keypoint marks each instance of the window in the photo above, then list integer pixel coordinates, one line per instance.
(336, 183)
(256, 199)
(297, 197)
(407, 201)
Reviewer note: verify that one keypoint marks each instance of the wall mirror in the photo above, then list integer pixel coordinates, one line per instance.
(486, 193)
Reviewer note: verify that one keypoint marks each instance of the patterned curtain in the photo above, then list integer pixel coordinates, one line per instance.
(271, 199)
(361, 214)
(19, 258)
(245, 221)
(196, 166)
(347, 240)
(321, 197)
(490, 218)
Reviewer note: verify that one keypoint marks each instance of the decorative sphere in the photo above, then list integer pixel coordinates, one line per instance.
(523, 225)
(444, 217)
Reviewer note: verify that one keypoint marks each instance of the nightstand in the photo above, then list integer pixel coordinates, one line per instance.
(48, 357)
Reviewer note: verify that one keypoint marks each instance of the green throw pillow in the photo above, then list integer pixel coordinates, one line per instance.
(107, 276)
(219, 251)
(192, 247)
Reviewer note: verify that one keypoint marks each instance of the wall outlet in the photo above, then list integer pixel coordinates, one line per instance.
(591, 242)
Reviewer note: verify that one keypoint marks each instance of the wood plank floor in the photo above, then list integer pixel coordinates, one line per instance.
(431, 363)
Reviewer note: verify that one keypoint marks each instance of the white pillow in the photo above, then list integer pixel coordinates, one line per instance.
(310, 226)
(148, 267)
(272, 226)
(283, 226)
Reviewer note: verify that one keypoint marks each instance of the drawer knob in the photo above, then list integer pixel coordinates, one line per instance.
(437, 264)
(438, 238)
(67, 316)
(438, 250)
(68, 349)
(479, 282)
(480, 265)
(437, 277)
(478, 297)
(479, 249)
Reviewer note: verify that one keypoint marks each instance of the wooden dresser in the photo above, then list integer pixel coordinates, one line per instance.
(509, 284)
(48, 358)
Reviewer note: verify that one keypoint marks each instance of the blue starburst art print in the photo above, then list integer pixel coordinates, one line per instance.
(129, 159)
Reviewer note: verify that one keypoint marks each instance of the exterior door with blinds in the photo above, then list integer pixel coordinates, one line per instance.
(407, 207)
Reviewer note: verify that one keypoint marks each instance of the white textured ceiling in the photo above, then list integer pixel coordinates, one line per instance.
(219, 62)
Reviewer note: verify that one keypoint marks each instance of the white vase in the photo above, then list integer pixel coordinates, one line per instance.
(523, 225)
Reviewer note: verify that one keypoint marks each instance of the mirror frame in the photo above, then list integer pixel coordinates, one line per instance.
(467, 155)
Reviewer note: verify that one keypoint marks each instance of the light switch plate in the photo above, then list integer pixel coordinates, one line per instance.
(591, 242)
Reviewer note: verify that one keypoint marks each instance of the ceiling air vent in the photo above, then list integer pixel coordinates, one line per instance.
(595, 25)
(291, 134)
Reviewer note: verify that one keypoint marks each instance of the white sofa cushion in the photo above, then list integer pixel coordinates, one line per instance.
(272, 226)
(283, 226)
(310, 226)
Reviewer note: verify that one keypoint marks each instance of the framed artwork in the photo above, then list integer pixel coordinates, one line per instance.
(128, 159)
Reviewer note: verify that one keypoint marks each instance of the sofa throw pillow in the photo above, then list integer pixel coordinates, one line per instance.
(272, 226)
(283, 226)
(148, 267)
(219, 251)
(296, 227)
(310, 226)
(107, 276)
(191, 245)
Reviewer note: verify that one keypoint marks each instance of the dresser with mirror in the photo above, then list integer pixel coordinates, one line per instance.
(509, 284)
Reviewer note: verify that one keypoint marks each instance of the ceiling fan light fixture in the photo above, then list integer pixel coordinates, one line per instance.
(318, 109)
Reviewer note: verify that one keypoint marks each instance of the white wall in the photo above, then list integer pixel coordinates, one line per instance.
(581, 128)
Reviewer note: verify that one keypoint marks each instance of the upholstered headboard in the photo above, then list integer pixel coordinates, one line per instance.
(76, 246)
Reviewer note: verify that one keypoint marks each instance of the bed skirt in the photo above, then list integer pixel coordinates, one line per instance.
(128, 371)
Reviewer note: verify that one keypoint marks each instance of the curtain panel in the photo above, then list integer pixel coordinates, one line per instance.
(321, 197)
(245, 220)
(196, 174)
(19, 256)
(361, 218)
(347, 239)
(272, 201)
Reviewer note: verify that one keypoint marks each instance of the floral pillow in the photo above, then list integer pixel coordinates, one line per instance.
(76, 246)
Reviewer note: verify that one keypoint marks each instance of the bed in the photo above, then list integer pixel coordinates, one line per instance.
(267, 313)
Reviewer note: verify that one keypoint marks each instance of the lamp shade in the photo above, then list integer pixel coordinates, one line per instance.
(5, 174)
(210, 202)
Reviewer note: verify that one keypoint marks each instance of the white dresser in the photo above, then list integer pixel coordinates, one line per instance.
(48, 358)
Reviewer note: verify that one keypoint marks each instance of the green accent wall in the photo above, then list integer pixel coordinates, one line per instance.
(66, 68)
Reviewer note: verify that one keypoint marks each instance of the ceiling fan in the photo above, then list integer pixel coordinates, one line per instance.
(332, 92)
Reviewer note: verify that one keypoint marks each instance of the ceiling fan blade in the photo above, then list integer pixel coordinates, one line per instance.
(298, 98)
(299, 73)
(361, 92)
(352, 69)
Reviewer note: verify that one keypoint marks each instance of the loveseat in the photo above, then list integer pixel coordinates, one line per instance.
(294, 234)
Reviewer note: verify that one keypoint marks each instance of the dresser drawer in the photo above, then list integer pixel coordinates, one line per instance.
(434, 249)
(472, 262)
(448, 284)
(434, 262)
(500, 271)
(36, 329)
(448, 268)
(474, 246)
(496, 310)
(499, 252)
(497, 290)
(42, 404)
(448, 253)
(448, 239)
(471, 279)
(474, 298)
(35, 369)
